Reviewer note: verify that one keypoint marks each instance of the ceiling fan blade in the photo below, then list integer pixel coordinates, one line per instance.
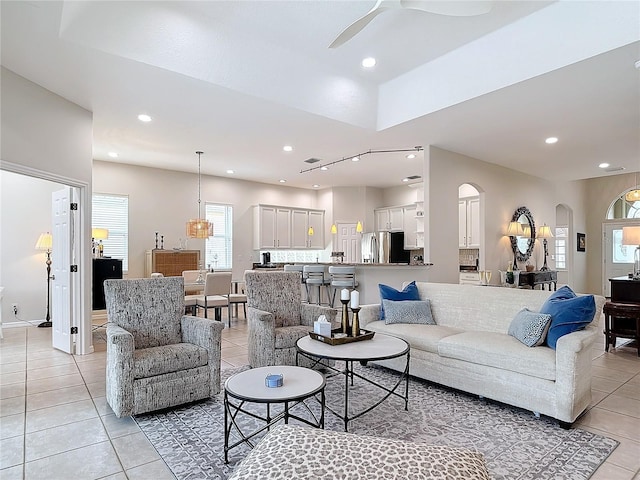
(463, 8)
(355, 28)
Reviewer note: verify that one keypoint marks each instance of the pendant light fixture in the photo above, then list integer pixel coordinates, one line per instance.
(633, 195)
(200, 227)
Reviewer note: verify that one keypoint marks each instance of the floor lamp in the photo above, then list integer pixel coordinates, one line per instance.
(45, 242)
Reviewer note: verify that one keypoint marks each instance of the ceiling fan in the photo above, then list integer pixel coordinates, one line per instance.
(454, 8)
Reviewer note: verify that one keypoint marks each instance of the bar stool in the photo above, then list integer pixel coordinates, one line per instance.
(315, 277)
(298, 268)
(342, 277)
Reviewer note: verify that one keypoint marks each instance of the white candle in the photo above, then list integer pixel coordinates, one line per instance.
(344, 294)
(355, 299)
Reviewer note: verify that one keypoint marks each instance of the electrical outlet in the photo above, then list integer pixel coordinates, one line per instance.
(15, 308)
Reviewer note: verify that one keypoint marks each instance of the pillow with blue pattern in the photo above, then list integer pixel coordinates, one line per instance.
(530, 327)
(408, 311)
(569, 313)
(410, 292)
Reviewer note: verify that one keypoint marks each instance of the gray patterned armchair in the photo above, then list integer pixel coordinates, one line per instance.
(277, 318)
(157, 357)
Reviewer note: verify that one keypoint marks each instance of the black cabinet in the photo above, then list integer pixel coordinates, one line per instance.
(103, 269)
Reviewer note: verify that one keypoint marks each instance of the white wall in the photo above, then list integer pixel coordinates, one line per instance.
(23, 270)
(46, 136)
(162, 201)
(503, 191)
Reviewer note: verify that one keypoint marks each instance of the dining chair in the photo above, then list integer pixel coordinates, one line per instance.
(191, 293)
(217, 287)
(239, 295)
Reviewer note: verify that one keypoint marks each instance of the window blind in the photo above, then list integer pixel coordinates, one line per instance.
(112, 212)
(219, 248)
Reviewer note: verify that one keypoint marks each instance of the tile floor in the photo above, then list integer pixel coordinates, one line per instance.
(53, 412)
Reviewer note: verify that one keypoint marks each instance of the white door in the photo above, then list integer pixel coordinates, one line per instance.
(62, 258)
(348, 241)
(618, 258)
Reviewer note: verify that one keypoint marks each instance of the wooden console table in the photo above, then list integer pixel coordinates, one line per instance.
(622, 313)
(539, 277)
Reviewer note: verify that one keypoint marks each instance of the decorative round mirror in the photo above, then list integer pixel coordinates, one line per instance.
(522, 245)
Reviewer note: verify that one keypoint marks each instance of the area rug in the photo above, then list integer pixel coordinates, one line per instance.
(516, 445)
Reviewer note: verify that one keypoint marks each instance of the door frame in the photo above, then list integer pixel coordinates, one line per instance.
(611, 224)
(80, 302)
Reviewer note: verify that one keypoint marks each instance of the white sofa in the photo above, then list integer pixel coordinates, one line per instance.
(470, 350)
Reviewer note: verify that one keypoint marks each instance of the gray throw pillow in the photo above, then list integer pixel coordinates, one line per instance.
(530, 327)
(408, 311)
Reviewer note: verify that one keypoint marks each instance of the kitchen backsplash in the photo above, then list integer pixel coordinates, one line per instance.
(468, 256)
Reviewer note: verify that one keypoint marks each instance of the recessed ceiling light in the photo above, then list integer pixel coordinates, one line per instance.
(324, 168)
(405, 179)
(282, 180)
(144, 118)
(411, 156)
(604, 165)
(113, 154)
(287, 148)
(315, 185)
(355, 159)
(369, 62)
(551, 140)
(230, 171)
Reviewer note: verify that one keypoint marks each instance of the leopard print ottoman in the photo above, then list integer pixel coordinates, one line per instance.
(291, 452)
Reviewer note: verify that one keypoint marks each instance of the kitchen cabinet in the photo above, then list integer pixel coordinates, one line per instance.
(469, 278)
(469, 222)
(301, 220)
(410, 227)
(390, 219)
(284, 227)
(272, 227)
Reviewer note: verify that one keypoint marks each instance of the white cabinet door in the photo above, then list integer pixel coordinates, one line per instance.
(300, 228)
(266, 226)
(410, 228)
(383, 222)
(283, 228)
(316, 221)
(396, 219)
(462, 223)
(473, 223)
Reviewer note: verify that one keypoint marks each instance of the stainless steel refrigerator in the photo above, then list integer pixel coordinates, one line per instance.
(384, 247)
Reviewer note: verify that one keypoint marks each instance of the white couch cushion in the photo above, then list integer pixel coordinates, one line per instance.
(500, 350)
(419, 336)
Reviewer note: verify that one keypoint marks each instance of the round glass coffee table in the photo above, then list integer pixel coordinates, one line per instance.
(249, 386)
(380, 347)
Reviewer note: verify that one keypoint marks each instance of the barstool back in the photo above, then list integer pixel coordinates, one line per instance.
(342, 277)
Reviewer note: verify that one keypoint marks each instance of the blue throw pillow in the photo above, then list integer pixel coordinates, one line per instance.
(569, 313)
(410, 292)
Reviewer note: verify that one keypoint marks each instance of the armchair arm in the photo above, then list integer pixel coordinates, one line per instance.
(119, 381)
(261, 338)
(309, 313)
(206, 334)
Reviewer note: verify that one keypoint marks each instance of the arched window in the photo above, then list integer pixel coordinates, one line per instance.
(623, 209)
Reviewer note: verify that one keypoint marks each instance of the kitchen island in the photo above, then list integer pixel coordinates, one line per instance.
(369, 275)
